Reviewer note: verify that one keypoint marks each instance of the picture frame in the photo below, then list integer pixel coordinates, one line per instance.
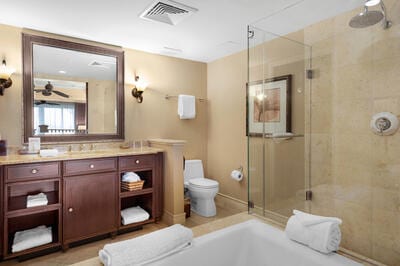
(268, 106)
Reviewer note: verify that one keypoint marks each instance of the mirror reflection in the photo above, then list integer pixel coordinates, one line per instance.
(74, 92)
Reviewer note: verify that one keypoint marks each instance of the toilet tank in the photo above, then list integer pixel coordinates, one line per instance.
(193, 169)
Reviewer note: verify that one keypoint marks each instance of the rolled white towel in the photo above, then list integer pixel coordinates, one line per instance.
(31, 238)
(130, 177)
(147, 248)
(134, 215)
(318, 232)
(36, 200)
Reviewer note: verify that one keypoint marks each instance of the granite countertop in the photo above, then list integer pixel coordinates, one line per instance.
(76, 155)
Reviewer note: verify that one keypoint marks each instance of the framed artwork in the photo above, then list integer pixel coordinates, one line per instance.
(269, 106)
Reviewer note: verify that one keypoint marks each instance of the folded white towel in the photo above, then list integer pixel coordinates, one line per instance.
(134, 215)
(48, 152)
(130, 177)
(147, 248)
(318, 232)
(36, 200)
(186, 106)
(31, 238)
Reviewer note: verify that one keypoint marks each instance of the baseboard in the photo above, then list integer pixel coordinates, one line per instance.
(229, 202)
(171, 219)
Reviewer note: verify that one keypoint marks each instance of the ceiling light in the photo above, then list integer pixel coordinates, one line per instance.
(372, 2)
(62, 72)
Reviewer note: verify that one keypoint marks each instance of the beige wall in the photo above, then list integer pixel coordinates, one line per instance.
(101, 107)
(154, 118)
(226, 92)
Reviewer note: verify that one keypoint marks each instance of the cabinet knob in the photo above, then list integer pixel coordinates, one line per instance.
(34, 171)
(91, 166)
(137, 161)
(70, 209)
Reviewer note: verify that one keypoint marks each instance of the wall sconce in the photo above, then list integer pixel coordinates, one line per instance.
(138, 90)
(5, 74)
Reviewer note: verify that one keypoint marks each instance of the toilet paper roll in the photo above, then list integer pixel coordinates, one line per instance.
(237, 175)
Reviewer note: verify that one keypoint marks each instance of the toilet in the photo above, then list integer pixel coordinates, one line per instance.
(202, 191)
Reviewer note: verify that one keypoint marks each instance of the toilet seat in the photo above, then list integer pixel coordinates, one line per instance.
(203, 183)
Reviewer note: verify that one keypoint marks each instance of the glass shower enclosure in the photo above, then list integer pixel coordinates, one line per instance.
(278, 122)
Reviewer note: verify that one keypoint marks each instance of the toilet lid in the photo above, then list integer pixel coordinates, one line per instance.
(203, 182)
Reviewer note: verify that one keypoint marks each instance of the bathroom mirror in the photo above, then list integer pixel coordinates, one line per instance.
(72, 91)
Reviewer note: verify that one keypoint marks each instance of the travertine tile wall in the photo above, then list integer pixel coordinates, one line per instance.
(355, 174)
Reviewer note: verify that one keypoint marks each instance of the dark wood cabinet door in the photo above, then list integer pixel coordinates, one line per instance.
(89, 205)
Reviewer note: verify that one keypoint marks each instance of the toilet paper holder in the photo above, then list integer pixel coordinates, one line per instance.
(240, 169)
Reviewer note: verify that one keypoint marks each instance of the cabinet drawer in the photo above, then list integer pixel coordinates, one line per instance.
(32, 171)
(88, 166)
(137, 161)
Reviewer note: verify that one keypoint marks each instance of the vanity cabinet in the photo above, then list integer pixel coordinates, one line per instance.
(18, 182)
(84, 196)
(89, 206)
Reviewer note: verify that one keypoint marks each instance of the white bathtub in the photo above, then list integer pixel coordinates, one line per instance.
(252, 243)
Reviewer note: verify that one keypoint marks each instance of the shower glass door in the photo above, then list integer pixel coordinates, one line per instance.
(278, 122)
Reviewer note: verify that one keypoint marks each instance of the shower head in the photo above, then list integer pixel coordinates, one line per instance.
(369, 18)
(366, 19)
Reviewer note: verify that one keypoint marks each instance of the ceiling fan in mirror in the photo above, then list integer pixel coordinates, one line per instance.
(45, 102)
(49, 89)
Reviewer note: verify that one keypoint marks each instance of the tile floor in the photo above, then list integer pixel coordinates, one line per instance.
(90, 250)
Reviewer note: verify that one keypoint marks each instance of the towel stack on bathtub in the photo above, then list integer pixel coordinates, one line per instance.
(318, 232)
(147, 248)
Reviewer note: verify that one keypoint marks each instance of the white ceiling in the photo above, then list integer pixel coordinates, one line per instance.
(216, 30)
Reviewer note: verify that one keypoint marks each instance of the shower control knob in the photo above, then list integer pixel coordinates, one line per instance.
(384, 123)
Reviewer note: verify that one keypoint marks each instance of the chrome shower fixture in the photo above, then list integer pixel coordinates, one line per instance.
(368, 18)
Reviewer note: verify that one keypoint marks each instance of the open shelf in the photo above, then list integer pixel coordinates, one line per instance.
(146, 175)
(17, 194)
(20, 223)
(33, 210)
(126, 194)
(145, 201)
(129, 226)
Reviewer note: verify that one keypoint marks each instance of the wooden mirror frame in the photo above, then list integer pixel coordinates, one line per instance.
(27, 45)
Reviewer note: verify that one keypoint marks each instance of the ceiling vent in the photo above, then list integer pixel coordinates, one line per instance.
(167, 11)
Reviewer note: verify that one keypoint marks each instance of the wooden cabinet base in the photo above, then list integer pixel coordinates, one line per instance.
(85, 199)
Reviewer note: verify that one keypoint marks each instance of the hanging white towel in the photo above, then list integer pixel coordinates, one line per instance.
(147, 248)
(134, 215)
(36, 200)
(31, 238)
(186, 106)
(318, 232)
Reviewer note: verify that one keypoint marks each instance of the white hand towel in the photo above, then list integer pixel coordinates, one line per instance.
(36, 200)
(130, 177)
(318, 232)
(186, 106)
(31, 238)
(134, 215)
(147, 248)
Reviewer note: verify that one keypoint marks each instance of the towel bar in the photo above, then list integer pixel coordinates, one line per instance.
(167, 97)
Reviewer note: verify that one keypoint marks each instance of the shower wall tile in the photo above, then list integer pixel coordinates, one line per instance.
(356, 174)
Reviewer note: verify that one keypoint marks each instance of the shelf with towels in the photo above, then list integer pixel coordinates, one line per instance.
(167, 97)
(144, 191)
